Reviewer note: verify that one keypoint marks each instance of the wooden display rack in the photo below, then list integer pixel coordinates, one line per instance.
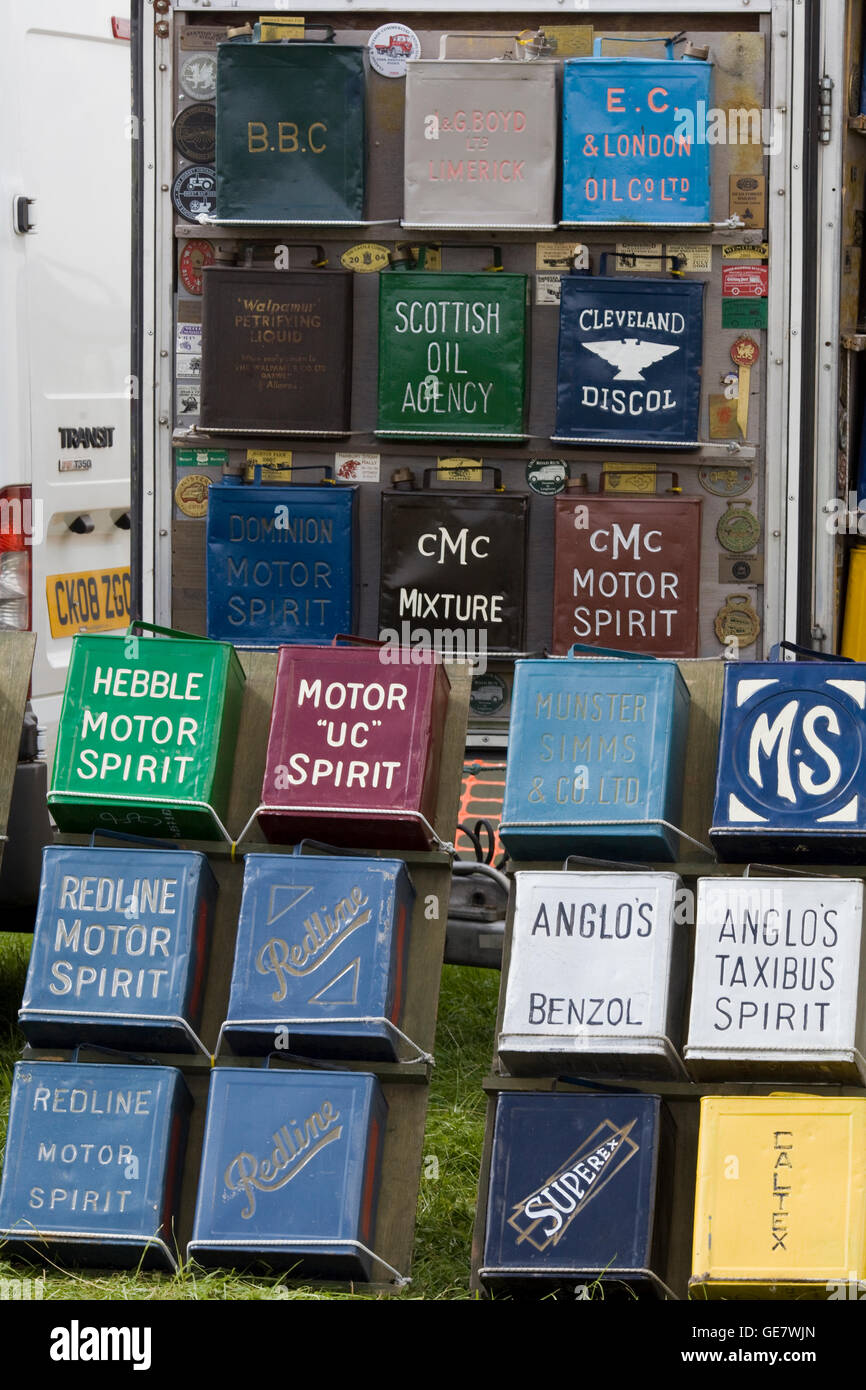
(405, 1084)
(704, 680)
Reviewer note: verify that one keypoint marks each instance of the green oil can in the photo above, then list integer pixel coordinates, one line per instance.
(147, 734)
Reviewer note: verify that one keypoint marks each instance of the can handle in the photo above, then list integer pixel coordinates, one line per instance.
(351, 637)
(619, 38)
(323, 848)
(327, 470)
(608, 651)
(583, 860)
(328, 30)
(320, 257)
(135, 839)
(808, 652)
(310, 1063)
(481, 34)
(482, 468)
(164, 631)
(102, 1048)
(678, 263)
(402, 259)
(495, 264)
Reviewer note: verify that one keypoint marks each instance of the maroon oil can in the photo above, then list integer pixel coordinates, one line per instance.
(354, 747)
(627, 574)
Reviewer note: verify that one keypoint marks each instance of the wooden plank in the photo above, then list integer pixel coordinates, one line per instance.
(260, 669)
(453, 751)
(503, 978)
(672, 1092)
(480, 1227)
(16, 660)
(188, 576)
(704, 680)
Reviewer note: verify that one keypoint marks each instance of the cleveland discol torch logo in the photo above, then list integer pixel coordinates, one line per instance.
(545, 1215)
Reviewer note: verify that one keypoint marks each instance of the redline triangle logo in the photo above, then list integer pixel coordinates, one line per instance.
(285, 896)
(545, 1215)
(348, 994)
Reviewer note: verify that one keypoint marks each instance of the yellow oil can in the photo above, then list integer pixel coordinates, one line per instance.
(780, 1205)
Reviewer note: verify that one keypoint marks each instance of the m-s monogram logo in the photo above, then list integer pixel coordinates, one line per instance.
(796, 746)
(777, 738)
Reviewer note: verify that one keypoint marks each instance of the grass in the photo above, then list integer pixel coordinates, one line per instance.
(452, 1150)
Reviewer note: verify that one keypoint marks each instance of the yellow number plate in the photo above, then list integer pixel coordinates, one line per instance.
(93, 601)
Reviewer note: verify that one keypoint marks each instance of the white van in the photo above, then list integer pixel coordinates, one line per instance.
(65, 275)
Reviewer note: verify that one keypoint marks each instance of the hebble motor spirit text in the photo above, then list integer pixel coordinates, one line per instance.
(166, 730)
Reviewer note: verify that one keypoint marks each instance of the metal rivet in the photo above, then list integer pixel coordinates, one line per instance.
(163, 532)
(777, 533)
(163, 352)
(781, 192)
(164, 187)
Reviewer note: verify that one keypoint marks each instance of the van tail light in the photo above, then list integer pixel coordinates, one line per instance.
(16, 569)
